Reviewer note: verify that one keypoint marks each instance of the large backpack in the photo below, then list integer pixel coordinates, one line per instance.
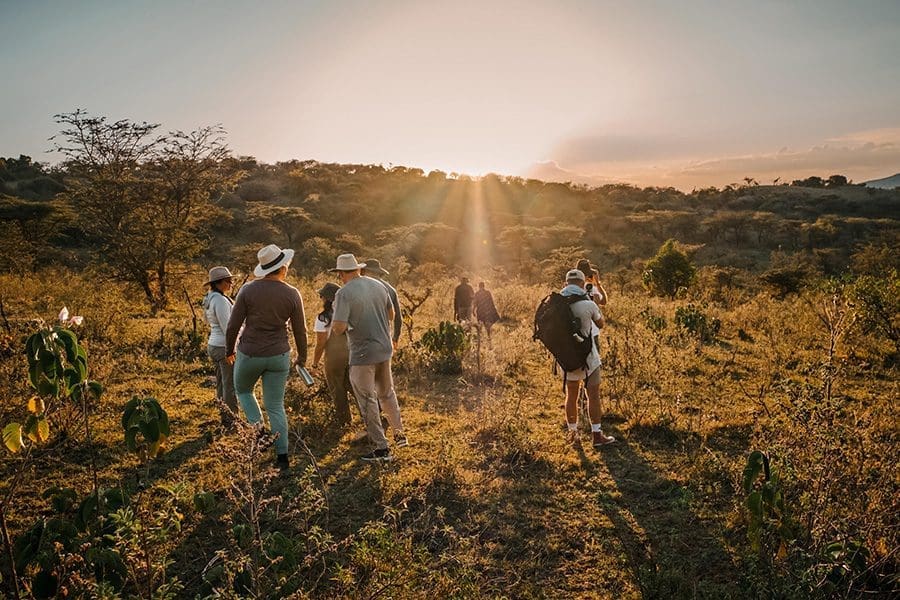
(560, 331)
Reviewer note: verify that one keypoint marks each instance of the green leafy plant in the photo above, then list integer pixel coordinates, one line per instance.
(771, 526)
(445, 346)
(146, 417)
(57, 371)
(652, 321)
(669, 271)
(695, 321)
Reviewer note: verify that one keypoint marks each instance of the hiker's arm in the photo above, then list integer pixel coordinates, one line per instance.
(398, 319)
(598, 319)
(604, 297)
(338, 327)
(235, 321)
(298, 326)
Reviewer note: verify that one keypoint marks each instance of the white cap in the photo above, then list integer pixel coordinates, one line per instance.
(575, 274)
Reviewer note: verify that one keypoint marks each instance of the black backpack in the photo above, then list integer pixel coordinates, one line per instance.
(560, 331)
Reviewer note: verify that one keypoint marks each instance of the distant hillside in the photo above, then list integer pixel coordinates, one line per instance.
(888, 183)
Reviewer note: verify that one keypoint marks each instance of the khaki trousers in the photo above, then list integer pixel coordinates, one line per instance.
(337, 375)
(373, 384)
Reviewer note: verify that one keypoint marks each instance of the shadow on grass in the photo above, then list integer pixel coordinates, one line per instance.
(671, 552)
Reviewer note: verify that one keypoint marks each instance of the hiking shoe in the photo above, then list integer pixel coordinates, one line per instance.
(379, 455)
(265, 438)
(600, 439)
(282, 462)
(573, 438)
(400, 440)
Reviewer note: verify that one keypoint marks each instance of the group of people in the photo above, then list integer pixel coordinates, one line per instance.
(469, 305)
(356, 332)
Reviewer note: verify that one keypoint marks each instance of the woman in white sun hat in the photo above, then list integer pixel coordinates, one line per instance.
(263, 307)
(217, 311)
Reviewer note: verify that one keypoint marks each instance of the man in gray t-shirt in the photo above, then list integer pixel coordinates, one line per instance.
(363, 308)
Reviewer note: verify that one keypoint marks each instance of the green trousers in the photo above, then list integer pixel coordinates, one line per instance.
(274, 372)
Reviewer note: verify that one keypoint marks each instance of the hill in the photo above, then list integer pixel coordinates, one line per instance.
(887, 183)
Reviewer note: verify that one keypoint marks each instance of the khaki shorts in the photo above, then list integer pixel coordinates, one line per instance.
(592, 379)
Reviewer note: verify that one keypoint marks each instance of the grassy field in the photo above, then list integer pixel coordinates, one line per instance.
(489, 500)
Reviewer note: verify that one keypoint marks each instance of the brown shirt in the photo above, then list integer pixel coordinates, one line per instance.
(263, 308)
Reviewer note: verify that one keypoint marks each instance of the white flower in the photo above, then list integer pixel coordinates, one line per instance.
(64, 315)
(76, 320)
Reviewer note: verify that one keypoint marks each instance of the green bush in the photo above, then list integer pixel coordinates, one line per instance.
(693, 320)
(669, 271)
(445, 346)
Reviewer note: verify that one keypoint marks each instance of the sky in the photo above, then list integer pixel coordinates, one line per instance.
(667, 93)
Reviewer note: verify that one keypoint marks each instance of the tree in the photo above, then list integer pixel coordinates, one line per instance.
(143, 198)
(668, 271)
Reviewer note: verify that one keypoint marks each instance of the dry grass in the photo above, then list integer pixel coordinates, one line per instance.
(490, 500)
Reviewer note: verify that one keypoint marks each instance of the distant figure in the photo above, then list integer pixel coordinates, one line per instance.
(374, 270)
(592, 281)
(337, 355)
(217, 310)
(485, 310)
(363, 309)
(589, 315)
(264, 307)
(595, 291)
(462, 300)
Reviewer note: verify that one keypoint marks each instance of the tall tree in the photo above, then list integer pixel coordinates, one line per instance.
(143, 197)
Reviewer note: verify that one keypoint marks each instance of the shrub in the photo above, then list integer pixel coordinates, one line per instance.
(669, 271)
(693, 320)
(445, 345)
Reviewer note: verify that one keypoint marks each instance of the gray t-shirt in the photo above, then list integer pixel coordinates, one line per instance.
(364, 304)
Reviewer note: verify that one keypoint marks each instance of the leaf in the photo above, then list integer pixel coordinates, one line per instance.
(128, 411)
(12, 437)
(69, 342)
(30, 428)
(47, 387)
(36, 405)
(150, 429)
(753, 469)
(96, 389)
(131, 439)
(755, 505)
(43, 429)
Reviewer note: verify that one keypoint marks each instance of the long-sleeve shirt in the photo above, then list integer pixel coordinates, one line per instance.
(217, 312)
(264, 307)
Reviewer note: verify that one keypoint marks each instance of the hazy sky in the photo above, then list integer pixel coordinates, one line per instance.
(654, 93)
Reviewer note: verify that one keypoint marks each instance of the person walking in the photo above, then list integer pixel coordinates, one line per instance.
(589, 316)
(264, 307)
(217, 311)
(485, 310)
(363, 309)
(336, 353)
(463, 296)
(374, 270)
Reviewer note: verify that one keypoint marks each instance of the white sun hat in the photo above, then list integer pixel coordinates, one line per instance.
(347, 262)
(271, 258)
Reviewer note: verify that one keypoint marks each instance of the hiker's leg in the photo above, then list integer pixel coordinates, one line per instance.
(387, 397)
(336, 365)
(224, 382)
(592, 386)
(247, 371)
(274, 379)
(572, 388)
(362, 378)
(217, 354)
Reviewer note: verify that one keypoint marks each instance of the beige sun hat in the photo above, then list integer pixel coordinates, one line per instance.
(347, 262)
(271, 258)
(218, 274)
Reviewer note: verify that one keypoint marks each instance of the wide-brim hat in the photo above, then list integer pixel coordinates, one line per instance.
(373, 265)
(347, 262)
(218, 274)
(329, 290)
(271, 258)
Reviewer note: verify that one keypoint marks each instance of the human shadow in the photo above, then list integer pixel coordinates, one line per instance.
(671, 551)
